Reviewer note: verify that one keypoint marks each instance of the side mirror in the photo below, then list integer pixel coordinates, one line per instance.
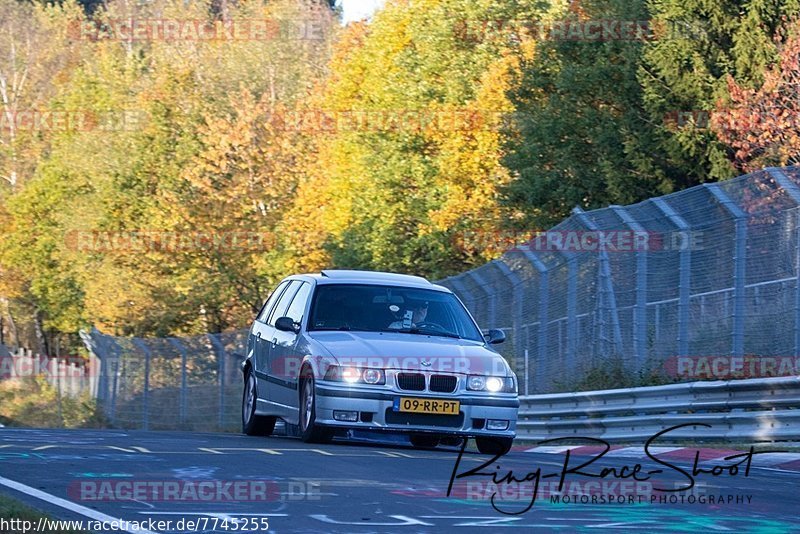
(495, 336)
(287, 324)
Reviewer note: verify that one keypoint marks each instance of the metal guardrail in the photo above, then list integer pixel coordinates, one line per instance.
(762, 409)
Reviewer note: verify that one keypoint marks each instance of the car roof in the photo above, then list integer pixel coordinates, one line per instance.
(342, 276)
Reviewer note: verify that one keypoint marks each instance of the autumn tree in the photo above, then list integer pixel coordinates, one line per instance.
(762, 125)
(687, 71)
(413, 120)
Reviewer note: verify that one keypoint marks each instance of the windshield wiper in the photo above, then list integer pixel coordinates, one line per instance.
(415, 330)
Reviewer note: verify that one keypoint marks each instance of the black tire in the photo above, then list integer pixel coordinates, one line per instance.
(253, 424)
(494, 446)
(451, 441)
(310, 431)
(423, 441)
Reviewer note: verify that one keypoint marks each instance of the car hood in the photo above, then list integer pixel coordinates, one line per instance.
(388, 350)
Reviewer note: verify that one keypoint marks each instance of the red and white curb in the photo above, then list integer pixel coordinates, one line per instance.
(783, 461)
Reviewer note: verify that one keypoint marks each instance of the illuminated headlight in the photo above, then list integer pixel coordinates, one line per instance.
(492, 384)
(351, 375)
(354, 375)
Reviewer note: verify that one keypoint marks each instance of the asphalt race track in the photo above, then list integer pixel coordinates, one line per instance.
(364, 487)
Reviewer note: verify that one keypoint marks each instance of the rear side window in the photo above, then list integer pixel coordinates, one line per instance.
(262, 316)
(283, 302)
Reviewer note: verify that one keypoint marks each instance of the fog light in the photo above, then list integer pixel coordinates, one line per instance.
(495, 424)
(350, 417)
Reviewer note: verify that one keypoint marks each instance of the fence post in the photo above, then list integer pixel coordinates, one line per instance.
(517, 296)
(640, 308)
(606, 283)
(740, 262)
(462, 290)
(685, 259)
(572, 310)
(182, 349)
(220, 350)
(491, 297)
(544, 305)
(146, 392)
(794, 193)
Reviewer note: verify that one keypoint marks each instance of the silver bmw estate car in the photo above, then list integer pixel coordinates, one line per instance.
(376, 351)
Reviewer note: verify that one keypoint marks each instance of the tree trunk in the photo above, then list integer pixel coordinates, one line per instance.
(41, 338)
(12, 326)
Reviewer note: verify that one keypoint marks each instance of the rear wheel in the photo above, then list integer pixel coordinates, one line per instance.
(310, 431)
(422, 441)
(253, 424)
(494, 446)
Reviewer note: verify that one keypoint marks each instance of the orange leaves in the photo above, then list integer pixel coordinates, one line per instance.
(762, 125)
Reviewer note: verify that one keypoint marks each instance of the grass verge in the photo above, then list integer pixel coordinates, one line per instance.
(14, 514)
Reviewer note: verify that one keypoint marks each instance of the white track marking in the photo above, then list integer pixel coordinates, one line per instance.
(67, 505)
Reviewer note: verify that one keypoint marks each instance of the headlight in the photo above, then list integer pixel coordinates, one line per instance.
(476, 383)
(354, 375)
(372, 376)
(492, 384)
(351, 375)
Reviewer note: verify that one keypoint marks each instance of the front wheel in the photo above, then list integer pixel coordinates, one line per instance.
(253, 424)
(494, 446)
(310, 431)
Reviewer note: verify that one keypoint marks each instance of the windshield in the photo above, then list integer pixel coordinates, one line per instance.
(372, 308)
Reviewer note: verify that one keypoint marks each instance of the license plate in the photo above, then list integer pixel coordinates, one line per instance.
(431, 406)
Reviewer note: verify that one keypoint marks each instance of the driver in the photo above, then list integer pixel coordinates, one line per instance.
(418, 312)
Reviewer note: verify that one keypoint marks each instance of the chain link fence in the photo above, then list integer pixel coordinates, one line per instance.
(188, 383)
(709, 271)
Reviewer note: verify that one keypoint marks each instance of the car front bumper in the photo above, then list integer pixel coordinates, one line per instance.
(375, 409)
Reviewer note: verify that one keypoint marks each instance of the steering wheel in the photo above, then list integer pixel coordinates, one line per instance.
(428, 324)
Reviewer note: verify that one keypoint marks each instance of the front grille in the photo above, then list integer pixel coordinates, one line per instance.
(424, 419)
(443, 383)
(411, 381)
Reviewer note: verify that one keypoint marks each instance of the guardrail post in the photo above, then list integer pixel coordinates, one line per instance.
(794, 193)
(739, 266)
(146, 392)
(544, 304)
(220, 350)
(182, 349)
(685, 259)
(640, 308)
